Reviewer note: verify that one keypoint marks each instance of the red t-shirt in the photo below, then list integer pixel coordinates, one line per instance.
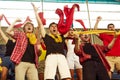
(115, 51)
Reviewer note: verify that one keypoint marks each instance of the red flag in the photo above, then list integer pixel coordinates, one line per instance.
(6, 20)
(81, 22)
(28, 19)
(18, 25)
(63, 27)
(1, 16)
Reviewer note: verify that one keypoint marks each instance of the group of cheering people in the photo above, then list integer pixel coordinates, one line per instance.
(91, 61)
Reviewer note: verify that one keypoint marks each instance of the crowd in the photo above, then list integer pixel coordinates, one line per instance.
(64, 53)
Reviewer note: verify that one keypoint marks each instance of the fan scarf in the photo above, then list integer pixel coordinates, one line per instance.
(32, 38)
(57, 39)
(98, 32)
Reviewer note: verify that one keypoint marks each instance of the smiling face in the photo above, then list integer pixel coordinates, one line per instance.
(85, 37)
(28, 28)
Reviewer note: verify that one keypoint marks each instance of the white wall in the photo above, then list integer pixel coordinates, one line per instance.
(108, 12)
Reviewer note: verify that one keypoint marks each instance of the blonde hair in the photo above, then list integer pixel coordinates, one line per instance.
(27, 22)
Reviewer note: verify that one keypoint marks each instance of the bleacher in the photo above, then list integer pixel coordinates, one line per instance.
(115, 76)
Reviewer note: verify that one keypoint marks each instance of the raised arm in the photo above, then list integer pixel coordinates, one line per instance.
(3, 35)
(110, 45)
(97, 21)
(77, 43)
(10, 28)
(40, 25)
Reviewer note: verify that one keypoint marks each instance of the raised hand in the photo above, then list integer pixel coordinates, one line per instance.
(99, 18)
(34, 7)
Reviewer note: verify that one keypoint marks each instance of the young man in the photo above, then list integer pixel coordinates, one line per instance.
(26, 52)
(72, 58)
(7, 65)
(113, 56)
(55, 57)
(92, 58)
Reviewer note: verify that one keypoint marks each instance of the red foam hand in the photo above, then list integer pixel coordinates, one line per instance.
(42, 18)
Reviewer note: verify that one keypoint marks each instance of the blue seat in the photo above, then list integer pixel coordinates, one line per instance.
(115, 76)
